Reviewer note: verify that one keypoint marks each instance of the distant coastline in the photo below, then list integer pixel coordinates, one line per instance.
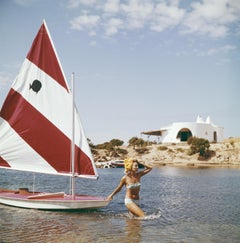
(227, 155)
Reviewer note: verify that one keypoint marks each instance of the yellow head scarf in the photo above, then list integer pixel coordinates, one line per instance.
(128, 164)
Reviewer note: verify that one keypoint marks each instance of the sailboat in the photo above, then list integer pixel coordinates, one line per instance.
(41, 132)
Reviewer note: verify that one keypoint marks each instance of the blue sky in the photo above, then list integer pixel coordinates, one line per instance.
(139, 64)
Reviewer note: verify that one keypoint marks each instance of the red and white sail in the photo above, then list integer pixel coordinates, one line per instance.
(36, 117)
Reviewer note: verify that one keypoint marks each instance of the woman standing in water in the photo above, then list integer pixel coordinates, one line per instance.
(132, 182)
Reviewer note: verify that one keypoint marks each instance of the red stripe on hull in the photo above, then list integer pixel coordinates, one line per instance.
(45, 138)
(43, 55)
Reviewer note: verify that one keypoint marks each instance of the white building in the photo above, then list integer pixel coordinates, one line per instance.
(181, 131)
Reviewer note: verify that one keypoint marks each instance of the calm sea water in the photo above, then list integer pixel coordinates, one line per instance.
(182, 204)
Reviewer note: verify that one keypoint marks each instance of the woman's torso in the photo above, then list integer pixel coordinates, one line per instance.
(133, 186)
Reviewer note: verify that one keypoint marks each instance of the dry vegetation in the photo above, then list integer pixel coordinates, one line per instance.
(225, 154)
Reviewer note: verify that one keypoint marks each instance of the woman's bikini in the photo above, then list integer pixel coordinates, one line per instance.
(132, 186)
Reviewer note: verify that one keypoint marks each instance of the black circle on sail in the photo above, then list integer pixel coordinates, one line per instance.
(36, 86)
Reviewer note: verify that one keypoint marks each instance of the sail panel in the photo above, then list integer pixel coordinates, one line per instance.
(4, 163)
(46, 60)
(37, 131)
(45, 138)
(38, 108)
(20, 156)
(46, 95)
(83, 143)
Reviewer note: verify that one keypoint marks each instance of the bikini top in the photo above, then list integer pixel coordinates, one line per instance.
(133, 185)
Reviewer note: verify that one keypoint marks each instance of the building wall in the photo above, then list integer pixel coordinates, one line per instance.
(201, 130)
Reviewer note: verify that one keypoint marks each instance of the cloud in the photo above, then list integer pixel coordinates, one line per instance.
(84, 22)
(77, 3)
(213, 18)
(112, 6)
(208, 52)
(137, 13)
(166, 16)
(112, 26)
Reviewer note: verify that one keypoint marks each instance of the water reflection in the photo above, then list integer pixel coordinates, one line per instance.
(195, 206)
(133, 229)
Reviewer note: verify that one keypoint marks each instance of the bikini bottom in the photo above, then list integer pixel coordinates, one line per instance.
(130, 200)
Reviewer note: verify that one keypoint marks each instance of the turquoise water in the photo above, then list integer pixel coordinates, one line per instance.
(182, 204)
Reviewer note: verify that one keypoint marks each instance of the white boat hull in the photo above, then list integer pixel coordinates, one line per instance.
(65, 202)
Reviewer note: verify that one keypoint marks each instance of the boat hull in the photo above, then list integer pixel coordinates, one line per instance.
(54, 202)
(117, 165)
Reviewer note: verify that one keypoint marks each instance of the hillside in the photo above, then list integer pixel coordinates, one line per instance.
(226, 154)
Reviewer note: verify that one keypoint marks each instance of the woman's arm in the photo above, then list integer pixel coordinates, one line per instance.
(118, 188)
(146, 170)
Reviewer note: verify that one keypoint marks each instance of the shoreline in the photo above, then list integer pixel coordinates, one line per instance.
(193, 165)
(226, 155)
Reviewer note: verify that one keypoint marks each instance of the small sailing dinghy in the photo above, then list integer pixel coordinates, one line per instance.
(40, 131)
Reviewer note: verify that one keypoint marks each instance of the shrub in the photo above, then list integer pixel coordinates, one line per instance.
(116, 142)
(122, 151)
(94, 151)
(181, 150)
(110, 146)
(135, 141)
(106, 145)
(190, 139)
(232, 143)
(162, 148)
(199, 145)
(142, 150)
(171, 151)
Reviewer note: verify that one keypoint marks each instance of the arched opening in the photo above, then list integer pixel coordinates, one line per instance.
(184, 134)
(215, 137)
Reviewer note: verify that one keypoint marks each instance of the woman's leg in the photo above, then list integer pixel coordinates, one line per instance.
(135, 209)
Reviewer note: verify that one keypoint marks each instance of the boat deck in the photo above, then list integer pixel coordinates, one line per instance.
(46, 196)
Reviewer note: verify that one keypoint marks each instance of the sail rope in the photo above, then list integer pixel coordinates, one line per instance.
(34, 181)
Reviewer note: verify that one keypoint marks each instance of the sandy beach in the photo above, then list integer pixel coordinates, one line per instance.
(227, 154)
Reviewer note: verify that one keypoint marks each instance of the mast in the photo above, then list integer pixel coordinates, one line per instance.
(73, 140)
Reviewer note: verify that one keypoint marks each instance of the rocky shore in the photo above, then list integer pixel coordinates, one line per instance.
(226, 154)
